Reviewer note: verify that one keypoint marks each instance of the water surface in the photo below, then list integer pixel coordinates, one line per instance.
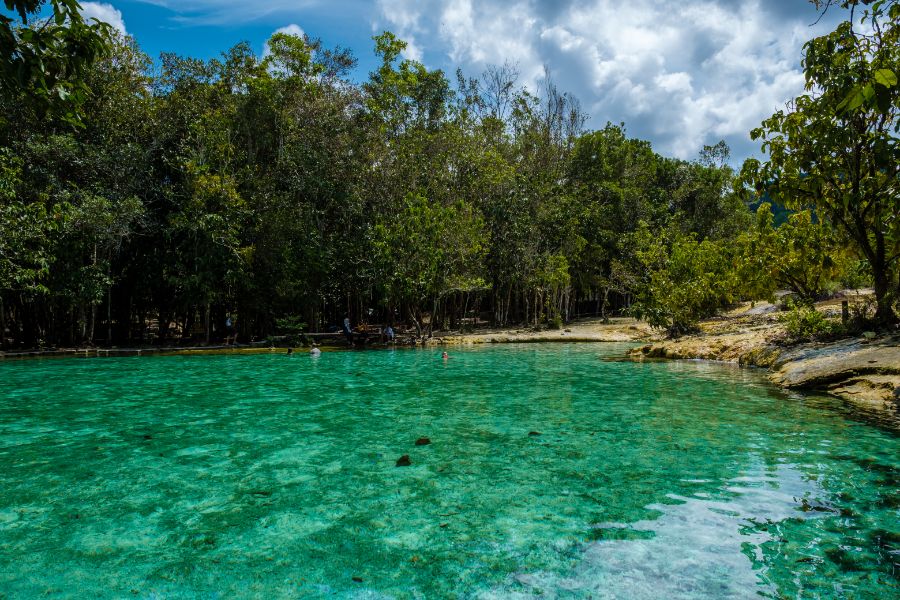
(552, 473)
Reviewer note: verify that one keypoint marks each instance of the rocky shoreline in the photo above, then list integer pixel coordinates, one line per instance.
(865, 371)
(859, 369)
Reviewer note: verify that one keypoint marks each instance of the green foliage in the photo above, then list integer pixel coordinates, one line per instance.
(25, 255)
(427, 249)
(280, 192)
(801, 255)
(683, 281)
(44, 62)
(836, 147)
(803, 322)
(291, 324)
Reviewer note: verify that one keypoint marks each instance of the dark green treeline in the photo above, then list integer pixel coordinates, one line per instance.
(277, 191)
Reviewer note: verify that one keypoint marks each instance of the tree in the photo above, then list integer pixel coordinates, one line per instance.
(802, 255)
(703, 200)
(836, 146)
(426, 248)
(25, 254)
(681, 280)
(614, 180)
(43, 61)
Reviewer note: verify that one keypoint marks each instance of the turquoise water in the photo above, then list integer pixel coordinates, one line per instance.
(271, 476)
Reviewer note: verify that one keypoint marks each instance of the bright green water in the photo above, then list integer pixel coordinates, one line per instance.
(272, 476)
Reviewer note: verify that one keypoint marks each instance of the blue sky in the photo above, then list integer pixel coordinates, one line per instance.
(679, 73)
(203, 29)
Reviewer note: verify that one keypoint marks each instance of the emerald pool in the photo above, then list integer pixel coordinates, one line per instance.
(551, 473)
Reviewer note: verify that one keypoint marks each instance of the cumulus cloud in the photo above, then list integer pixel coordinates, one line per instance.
(105, 13)
(680, 74)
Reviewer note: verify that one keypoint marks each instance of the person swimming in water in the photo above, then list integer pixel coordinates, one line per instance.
(314, 351)
(444, 355)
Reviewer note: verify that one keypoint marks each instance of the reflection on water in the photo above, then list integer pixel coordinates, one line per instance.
(702, 546)
(551, 473)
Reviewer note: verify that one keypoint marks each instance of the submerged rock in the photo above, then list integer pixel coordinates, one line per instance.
(534, 433)
(423, 441)
(404, 461)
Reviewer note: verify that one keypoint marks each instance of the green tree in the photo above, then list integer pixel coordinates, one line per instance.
(614, 180)
(426, 251)
(801, 255)
(43, 61)
(682, 280)
(836, 147)
(703, 199)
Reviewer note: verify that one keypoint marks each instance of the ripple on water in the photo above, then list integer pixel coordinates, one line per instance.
(549, 474)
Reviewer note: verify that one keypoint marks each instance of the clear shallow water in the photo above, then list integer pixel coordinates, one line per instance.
(272, 476)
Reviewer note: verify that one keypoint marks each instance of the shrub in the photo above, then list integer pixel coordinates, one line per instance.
(290, 324)
(683, 280)
(804, 322)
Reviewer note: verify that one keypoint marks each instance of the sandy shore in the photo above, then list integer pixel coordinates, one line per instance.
(587, 330)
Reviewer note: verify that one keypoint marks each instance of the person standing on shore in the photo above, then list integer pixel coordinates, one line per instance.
(348, 333)
(230, 337)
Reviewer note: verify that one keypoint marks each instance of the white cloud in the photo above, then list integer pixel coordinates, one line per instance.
(680, 74)
(105, 13)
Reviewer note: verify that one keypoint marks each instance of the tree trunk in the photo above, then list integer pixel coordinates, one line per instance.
(109, 316)
(188, 327)
(82, 321)
(2, 324)
(29, 327)
(412, 315)
(162, 328)
(884, 313)
(465, 310)
(93, 323)
(434, 307)
(605, 302)
(206, 324)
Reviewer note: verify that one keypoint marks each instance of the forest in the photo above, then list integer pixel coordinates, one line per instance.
(148, 201)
